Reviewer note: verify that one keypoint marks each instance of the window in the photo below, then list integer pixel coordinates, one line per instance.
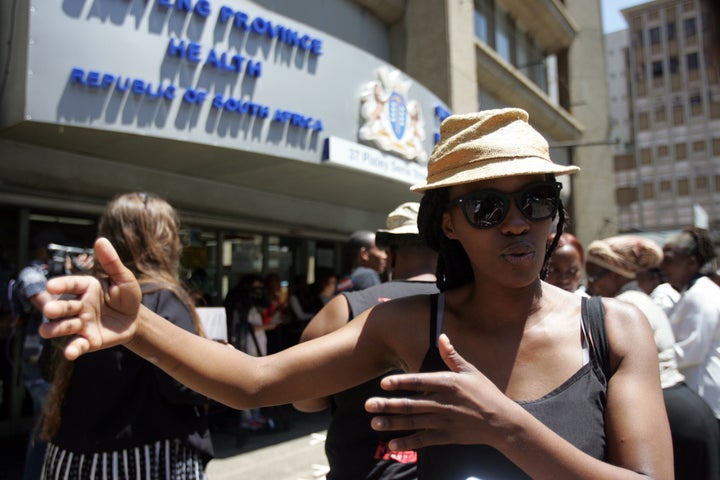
(692, 61)
(683, 186)
(716, 147)
(648, 190)
(663, 150)
(665, 186)
(638, 38)
(696, 105)
(715, 109)
(484, 11)
(678, 115)
(671, 31)
(626, 195)
(701, 184)
(660, 114)
(689, 27)
(645, 156)
(655, 36)
(657, 69)
(503, 36)
(624, 162)
(674, 65)
(680, 151)
(698, 146)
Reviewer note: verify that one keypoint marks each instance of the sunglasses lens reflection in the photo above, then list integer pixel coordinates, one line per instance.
(487, 208)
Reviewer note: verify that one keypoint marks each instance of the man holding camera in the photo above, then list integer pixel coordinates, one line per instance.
(52, 258)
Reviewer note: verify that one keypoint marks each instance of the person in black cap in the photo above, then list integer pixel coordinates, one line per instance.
(353, 448)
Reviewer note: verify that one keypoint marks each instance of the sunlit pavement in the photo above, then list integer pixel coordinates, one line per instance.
(292, 451)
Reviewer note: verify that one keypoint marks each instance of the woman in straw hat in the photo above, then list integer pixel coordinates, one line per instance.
(612, 268)
(530, 387)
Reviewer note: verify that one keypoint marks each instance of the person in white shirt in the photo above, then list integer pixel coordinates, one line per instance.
(696, 316)
(613, 265)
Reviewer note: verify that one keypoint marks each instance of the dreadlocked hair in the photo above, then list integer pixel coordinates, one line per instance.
(453, 265)
(562, 219)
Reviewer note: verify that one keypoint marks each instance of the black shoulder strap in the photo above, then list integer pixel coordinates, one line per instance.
(433, 319)
(593, 314)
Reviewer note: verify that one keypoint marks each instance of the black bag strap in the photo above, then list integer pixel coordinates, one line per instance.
(593, 317)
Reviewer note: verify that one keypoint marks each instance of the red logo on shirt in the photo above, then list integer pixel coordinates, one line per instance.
(404, 456)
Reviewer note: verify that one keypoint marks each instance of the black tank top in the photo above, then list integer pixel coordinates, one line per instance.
(354, 450)
(575, 410)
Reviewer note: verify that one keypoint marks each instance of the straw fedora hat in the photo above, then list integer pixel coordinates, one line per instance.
(401, 221)
(488, 144)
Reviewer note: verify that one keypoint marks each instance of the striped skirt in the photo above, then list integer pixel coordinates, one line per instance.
(162, 460)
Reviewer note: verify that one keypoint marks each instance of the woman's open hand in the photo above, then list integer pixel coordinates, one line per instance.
(457, 407)
(97, 313)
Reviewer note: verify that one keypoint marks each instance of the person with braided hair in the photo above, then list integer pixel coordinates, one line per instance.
(687, 261)
(537, 382)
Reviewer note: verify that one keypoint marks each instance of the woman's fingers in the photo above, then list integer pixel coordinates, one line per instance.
(418, 382)
(60, 309)
(417, 440)
(70, 285)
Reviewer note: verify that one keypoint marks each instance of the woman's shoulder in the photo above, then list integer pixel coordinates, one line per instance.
(627, 329)
(620, 312)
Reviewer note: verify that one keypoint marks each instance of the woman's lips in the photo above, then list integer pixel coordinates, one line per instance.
(519, 254)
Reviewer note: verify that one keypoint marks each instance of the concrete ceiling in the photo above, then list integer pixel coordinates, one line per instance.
(220, 169)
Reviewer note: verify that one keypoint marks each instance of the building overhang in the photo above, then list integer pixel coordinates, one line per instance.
(547, 21)
(507, 84)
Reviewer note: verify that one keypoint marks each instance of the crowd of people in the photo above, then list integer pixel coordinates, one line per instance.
(472, 337)
(675, 286)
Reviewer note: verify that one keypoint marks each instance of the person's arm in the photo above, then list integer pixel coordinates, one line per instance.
(109, 313)
(334, 315)
(464, 407)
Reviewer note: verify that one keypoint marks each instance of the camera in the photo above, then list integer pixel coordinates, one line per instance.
(58, 253)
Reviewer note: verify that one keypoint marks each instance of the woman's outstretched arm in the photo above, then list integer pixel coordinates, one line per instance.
(107, 312)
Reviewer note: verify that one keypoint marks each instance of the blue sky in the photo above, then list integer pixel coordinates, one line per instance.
(613, 20)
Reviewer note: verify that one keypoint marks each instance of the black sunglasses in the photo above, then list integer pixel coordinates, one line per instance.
(487, 208)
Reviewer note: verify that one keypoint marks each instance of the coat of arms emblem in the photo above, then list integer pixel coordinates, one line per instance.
(392, 122)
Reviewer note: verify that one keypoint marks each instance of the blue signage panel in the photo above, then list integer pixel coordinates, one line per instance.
(232, 75)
